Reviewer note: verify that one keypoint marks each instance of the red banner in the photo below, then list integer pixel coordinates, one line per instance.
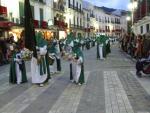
(44, 24)
(3, 10)
(36, 23)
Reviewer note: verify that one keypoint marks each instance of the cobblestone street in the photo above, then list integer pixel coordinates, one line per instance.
(111, 87)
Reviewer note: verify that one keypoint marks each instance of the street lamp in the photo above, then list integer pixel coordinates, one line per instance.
(128, 18)
(132, 7)
(55, 0)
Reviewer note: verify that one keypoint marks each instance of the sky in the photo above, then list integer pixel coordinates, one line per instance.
(117, 4)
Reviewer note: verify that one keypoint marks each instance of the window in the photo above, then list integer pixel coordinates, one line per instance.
(106, 28)
(32, 9)
(21, 9)
(87, 15)
(80, 7)
(77, 5)
(69, 22)
(41, 1)
(77, 21)
(147, 27)
(69, 3)
(74, 20)
(88, 25)
(73, 3)
(141, 29)
(80, 21)
(105, 20)
(41, 14)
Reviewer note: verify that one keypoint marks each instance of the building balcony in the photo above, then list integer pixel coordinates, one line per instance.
(79, 10)
(117, 23)
(92, 27)
(112, 22)
(43, 24)
(88, 19)
(92, 15)
(75, 8)
(81, 27)
(71, 6)
(60, 24)
(100, 30)
(59, 8)
(40, 1)
(3, 10)
(77, 26)
(36, 23)
(87, 29)
(107, 30)
(118, 30)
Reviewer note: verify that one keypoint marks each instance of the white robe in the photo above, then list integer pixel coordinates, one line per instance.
(101, 51)
(76, 69)
(35, 69)
(18, 71)
(35, 72)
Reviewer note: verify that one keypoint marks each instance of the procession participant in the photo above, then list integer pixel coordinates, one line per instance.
(108, 50)
(94, 40)
(98, 54)
(61, 45)
(78, 64)
(87, 43)
(79, 38)
(40, 68)
(51, 52)
(54, 54)
(68, 49)
(57, 55)
(100, 48)
(17, 68)
(103, 40)
(82, 44)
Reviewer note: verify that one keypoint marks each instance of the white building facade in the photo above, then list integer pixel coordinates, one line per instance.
(58, 17)
(141, 17)
(41, 10)
(74, 16)
(105, 21)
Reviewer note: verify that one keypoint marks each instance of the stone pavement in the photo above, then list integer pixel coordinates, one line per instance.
(111, 87)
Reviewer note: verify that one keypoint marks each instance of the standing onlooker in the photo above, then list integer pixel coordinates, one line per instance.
(138, 52)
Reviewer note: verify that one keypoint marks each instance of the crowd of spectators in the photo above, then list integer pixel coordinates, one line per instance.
(5, 50)
(136, 46)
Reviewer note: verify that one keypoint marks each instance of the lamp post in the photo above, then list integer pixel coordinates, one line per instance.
(56, 1)
(132, 6)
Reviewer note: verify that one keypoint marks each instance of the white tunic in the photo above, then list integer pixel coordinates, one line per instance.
(76, 69)
(35, 69)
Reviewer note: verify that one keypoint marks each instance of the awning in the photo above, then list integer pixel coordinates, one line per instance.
(6, 24)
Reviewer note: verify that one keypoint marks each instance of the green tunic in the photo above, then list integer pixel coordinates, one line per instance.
(13, 74)
(44, 64)
(78, 52)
